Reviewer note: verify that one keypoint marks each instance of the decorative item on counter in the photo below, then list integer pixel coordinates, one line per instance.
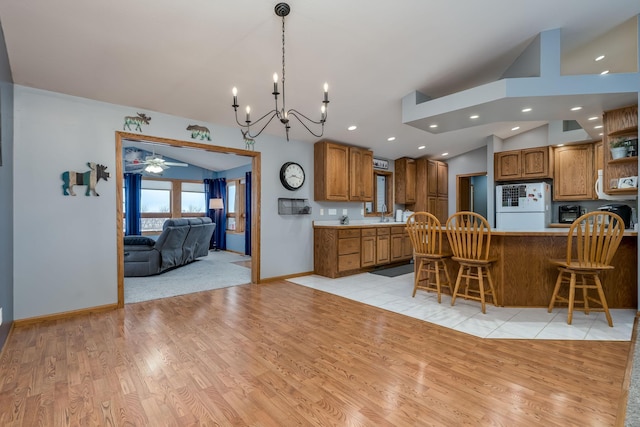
(199, 132)
(138, 121)
(344, 220)
(399, 215)
(89, 178)
(618, 147)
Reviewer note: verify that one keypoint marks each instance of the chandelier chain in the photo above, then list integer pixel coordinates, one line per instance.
(284, 115)
(283, 101)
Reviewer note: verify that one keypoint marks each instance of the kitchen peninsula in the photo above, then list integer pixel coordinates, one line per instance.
(523, 275)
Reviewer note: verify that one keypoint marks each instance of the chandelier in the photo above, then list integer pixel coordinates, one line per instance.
(284, 115)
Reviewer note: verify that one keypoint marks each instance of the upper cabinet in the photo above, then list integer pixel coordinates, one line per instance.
(619, 124)
(342, 173)
(573, 172)
(432, 188)
(405, 180)
(532, 163)
(360, 174)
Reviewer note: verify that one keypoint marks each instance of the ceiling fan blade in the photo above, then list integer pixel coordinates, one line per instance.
(176, 164)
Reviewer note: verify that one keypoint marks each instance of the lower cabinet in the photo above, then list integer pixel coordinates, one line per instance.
(383, 246)
(341, 251)
(368, 245)
(401, 247)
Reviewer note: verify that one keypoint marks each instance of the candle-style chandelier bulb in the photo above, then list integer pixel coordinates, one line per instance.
(282, 10)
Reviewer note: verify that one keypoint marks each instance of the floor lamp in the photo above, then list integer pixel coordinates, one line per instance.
(215, 204)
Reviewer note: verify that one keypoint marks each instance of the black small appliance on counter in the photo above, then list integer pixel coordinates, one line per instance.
(623, 210)
(568, 213)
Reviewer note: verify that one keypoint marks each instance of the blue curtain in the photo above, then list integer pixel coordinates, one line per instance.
(217, 189)
(132, 196)
(247, 211)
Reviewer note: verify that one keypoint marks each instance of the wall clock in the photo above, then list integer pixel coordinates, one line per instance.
(291, 176)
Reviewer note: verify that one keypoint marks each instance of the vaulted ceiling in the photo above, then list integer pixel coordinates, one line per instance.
(183, 58)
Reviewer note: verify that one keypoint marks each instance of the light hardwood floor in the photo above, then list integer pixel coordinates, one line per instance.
(280, 354)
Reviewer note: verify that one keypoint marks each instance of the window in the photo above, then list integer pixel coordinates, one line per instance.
(382, 190)
(155, 204)
(192, 198)
(235, 205)
(162, 199)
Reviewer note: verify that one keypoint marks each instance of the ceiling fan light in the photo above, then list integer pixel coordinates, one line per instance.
(153, 169)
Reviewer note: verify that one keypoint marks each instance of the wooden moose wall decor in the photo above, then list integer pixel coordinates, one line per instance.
(137, 121)
(89, 178)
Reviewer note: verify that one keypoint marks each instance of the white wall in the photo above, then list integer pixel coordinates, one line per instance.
(65, 247)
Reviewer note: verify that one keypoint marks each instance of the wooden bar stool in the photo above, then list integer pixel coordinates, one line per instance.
(470, 239)
(597, 236)
(425, 232)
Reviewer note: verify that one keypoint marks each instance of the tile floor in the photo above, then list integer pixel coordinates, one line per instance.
(394, 294)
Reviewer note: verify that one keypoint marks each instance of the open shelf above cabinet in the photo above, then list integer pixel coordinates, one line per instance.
(622, 122)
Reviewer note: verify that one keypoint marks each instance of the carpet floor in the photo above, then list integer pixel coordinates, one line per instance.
(217, 270)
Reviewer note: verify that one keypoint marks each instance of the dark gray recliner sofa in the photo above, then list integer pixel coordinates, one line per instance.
(181, 242)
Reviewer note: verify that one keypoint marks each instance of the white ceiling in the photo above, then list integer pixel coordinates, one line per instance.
(183, 58)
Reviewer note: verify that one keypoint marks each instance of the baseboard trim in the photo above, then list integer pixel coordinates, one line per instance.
(288, 276)
(64, 315)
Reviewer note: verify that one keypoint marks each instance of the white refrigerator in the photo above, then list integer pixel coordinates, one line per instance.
(525, 206)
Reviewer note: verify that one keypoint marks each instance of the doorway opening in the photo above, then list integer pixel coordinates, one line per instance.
(471, 193)
(255, 196)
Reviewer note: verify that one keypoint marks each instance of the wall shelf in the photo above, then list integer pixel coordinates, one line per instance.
(293, 206)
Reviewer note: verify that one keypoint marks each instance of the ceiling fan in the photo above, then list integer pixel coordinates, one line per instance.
(153, 164)
(156, 164)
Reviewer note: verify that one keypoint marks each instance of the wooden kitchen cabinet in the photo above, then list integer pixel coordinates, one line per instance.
(336, 251)
(401, 247)
(368, 244)
(360, 174)
(344, 250)
(437, 179)
(342, 173)
(331, 171)
(622, 122)
(573, 172)
(405, 180)
(383, 246)
(432, 188)
(532, 163)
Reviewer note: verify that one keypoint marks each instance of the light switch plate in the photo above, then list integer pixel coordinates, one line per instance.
(345, 211)
(333, 212)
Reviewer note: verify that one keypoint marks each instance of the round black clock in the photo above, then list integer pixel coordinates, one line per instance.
(291, 176)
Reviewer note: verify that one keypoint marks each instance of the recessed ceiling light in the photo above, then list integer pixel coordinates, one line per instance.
(598, 127)
(526, 110)
(352, 127)
(560, 145)
(576, 108)
(433, 126)
(475, 116)
(391, 138)
(422, 147)
(445, 154)
(594, 118)
(600, 58)
(515, 128)
(600, 134)
(604, 72)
